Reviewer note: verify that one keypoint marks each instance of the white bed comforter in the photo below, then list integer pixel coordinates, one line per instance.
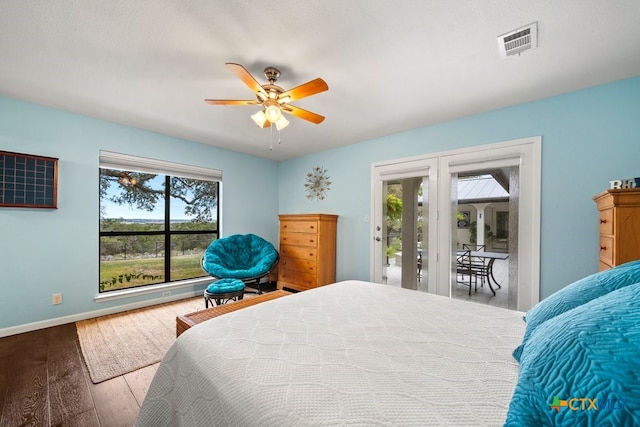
(352, 353)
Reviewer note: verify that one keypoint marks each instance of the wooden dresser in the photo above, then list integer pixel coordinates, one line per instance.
(619, 226)
(307, 251)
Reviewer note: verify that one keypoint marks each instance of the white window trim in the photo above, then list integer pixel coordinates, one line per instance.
(111, 160)
(165, 288)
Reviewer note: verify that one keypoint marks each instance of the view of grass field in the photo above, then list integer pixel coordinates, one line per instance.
(136, 272)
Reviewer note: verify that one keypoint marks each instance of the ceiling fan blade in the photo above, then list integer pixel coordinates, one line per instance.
(231, 101)
(245, 76)
(307, 89)
(303, 114)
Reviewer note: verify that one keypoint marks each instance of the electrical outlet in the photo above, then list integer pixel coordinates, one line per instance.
(56, 299)
(166, 293)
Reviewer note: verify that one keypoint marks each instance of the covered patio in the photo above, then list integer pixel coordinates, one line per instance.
(460, 291)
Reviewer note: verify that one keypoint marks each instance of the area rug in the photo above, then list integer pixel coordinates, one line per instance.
(120, 343)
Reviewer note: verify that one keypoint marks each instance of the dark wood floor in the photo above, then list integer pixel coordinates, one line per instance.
(45, 382)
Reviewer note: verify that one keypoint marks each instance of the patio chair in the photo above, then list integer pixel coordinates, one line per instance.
(465, 273)
(247, 257)
(480, 265)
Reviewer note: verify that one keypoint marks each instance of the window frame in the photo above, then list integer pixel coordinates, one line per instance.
(168, 170)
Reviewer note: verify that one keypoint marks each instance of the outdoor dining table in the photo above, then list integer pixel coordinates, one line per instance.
(492, 257)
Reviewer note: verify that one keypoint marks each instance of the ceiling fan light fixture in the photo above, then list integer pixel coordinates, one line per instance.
(273, 113)
(273, 99)
(282, 123)
(260, 118)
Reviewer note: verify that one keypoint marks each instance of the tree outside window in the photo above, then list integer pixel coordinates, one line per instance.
(153, 228)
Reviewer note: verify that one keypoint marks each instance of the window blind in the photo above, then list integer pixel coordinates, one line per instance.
(111, 160)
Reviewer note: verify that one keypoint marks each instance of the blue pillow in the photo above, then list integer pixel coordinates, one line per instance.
(578, 293)
(583, 359)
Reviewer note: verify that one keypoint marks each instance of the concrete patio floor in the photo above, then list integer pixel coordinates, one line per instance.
(460, 291)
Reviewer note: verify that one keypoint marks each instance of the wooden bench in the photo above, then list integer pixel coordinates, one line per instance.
(186, 321)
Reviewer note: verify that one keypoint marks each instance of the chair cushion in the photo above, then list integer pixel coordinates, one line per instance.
(224, 286)
(240, 256)
(577, 294)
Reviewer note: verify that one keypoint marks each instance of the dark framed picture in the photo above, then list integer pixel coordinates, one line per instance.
(28, 181)
(463, 219)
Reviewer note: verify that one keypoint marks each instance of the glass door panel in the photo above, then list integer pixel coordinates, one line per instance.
(401, 228)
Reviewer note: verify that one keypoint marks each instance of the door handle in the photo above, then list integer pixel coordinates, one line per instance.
(378, 239)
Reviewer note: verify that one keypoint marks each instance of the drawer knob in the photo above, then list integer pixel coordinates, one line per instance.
(603, 248)
(603, 221)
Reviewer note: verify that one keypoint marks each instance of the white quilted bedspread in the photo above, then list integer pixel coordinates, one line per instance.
(352, 353)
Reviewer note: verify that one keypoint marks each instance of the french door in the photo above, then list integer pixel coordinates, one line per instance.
(403, 246)
(414, 249)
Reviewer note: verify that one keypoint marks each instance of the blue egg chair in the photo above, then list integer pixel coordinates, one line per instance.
(247, 257)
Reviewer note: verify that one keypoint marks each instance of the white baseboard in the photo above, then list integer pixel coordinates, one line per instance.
(28, 327)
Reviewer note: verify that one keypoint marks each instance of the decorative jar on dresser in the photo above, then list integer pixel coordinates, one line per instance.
(307, 251)
(619, 226)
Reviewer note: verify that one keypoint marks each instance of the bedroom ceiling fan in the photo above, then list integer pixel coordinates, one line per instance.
(274, 99)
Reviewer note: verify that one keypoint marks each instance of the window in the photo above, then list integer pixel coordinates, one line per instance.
(502, 225)
(156, 220)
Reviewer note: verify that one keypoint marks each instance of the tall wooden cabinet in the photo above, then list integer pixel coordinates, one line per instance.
(619, 226)
(307, 251)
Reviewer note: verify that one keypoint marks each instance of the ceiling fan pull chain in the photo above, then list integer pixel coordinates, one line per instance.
(279, 140)
(270, 138)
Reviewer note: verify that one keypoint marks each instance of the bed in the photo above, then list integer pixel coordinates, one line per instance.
(362, 354)
(350, 353)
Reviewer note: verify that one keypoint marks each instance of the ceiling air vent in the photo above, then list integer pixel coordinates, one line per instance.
(517, 41)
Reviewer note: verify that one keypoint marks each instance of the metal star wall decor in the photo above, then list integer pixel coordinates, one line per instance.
(317, 183)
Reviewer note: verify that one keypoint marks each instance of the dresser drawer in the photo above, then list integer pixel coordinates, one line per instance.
(298, 264)
(298, 252)
(304, 280)
(606, 221)
(299, 227)
(299, 239)
(606, 250)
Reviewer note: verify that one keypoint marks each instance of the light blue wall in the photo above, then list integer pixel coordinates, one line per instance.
(48, 251)
(588, 138)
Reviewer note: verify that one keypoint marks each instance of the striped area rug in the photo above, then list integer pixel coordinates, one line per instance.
(117, 344)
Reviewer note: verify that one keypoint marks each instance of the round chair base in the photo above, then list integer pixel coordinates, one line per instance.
(219, 299)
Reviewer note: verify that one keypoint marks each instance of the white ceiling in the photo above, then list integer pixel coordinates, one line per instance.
(390, 66)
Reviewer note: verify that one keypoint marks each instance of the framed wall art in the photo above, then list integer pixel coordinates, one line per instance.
(28, 181)
(317, 183)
